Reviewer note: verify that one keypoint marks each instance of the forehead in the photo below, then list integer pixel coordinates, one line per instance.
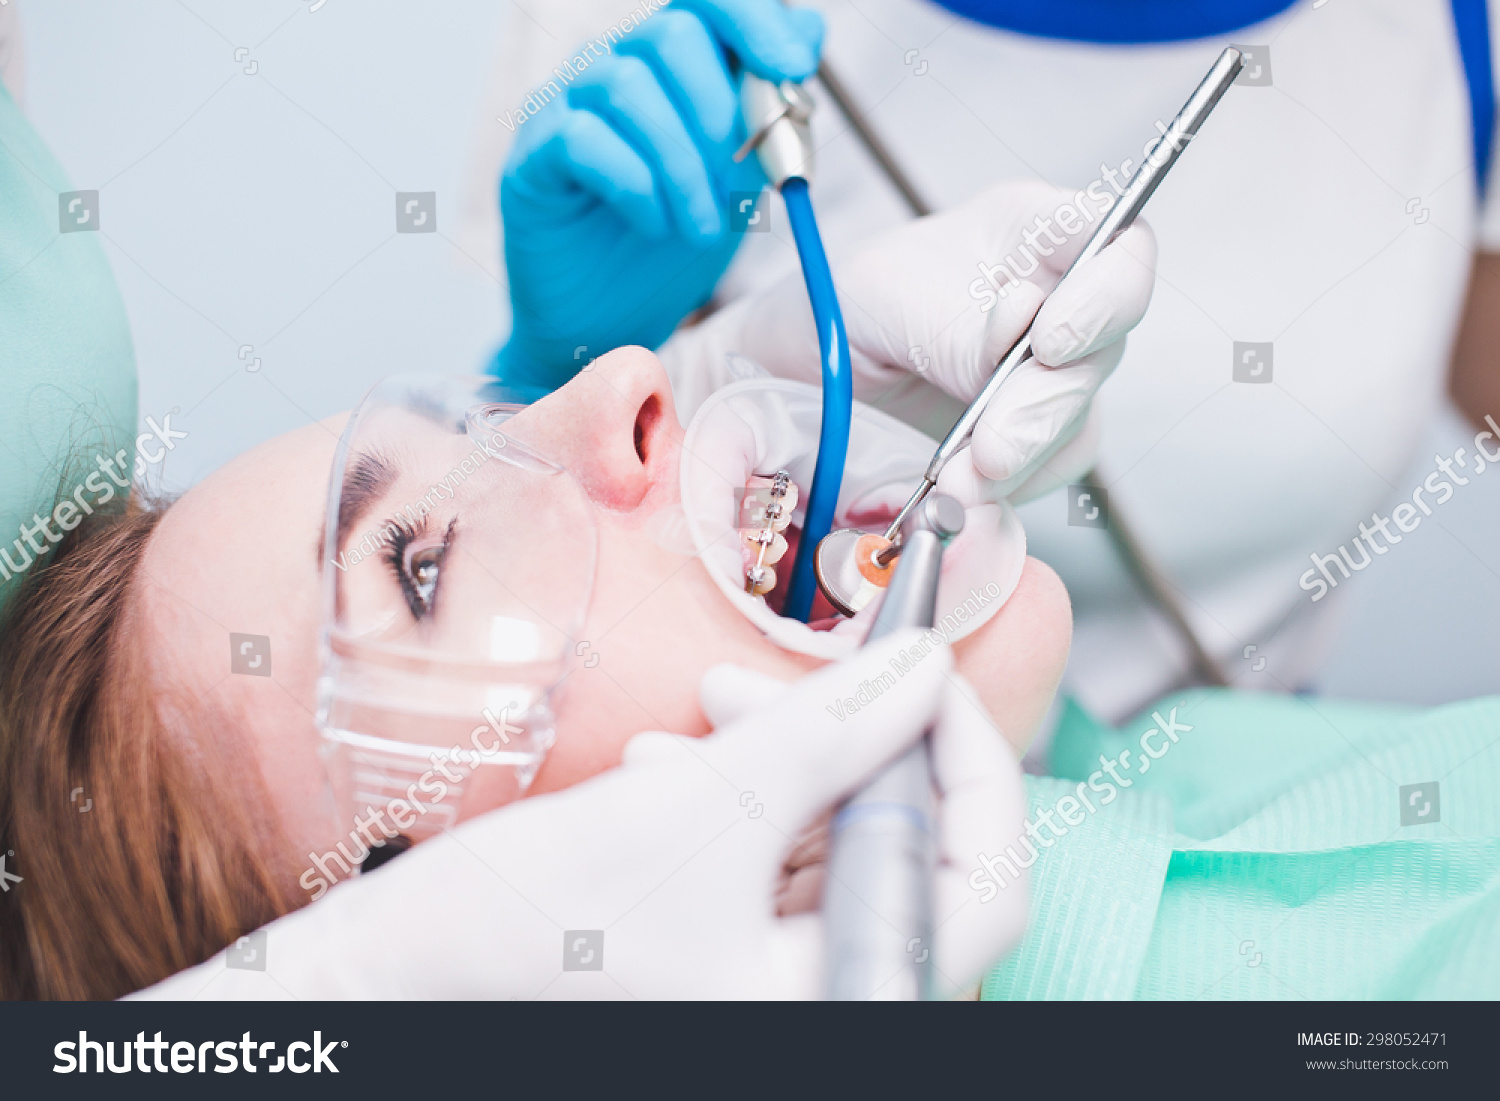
(240, 525)
(235, 555)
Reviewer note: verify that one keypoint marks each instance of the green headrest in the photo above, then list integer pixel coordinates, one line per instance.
(67, 368)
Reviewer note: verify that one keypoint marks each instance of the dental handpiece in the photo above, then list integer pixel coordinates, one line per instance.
(877, 904)
(1118, 218)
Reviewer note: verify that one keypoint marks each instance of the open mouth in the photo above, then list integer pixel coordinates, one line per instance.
(747, 432)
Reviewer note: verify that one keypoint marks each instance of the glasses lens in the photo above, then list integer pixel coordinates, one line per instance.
(459, 571)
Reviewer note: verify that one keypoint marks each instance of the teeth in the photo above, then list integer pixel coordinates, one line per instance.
(765, 512)
(762, 505)
(773, 541)
(760, 580)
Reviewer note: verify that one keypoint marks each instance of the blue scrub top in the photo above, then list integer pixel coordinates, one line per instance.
(1119, 21)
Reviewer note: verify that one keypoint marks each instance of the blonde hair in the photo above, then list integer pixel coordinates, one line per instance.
(137, 858)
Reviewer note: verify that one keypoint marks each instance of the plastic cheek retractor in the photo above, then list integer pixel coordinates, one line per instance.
(765, 424)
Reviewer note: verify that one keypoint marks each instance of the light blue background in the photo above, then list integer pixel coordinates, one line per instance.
(260, 209)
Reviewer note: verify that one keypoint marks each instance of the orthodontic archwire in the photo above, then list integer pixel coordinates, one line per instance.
(765, 513)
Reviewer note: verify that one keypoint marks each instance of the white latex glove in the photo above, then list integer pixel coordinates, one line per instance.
(981, 798)
(674, 856)
(917, 305)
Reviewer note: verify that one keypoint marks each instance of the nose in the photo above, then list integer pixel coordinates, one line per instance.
(614, 426)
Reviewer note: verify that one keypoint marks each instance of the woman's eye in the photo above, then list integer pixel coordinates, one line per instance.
(422, 567)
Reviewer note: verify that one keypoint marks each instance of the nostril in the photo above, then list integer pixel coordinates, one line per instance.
(645, 420)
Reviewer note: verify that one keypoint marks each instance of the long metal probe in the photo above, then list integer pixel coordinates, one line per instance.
(1147, 177)
(1121, 532)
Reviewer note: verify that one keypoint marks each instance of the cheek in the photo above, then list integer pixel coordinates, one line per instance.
(643, 650)
(297, 782)
(637, 683)
(1016, 660)
(656, 624)
(283, 740)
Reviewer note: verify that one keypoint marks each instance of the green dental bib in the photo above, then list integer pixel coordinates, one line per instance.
(1280, 847)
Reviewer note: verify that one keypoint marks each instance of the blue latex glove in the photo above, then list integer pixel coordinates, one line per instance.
(615, 198)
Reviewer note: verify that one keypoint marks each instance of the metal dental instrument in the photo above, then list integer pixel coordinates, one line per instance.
(795, 104)
(1156, 586)
(1119, 217)
(877, 905)
(849, 571)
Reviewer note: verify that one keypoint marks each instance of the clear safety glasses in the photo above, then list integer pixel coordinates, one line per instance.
(458, 568)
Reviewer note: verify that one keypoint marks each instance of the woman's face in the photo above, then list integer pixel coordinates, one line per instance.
(243, 553)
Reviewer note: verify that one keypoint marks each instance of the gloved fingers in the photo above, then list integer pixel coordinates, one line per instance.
(962, 345)
(584, 152)
(653, 747)
(959, 479)
(729, 692)
(953, 333)
(1027, 241)
(1101, 301)
(982, 810)
(970, 347)
(832, 729)
(772, 41)
(973, 928)
(1065, 463)
(1066, 460)
(1033, 410)
(1012, 229)
(625, 92)
(809, 24)
(794, 958)
(690, 67)
(969, 754)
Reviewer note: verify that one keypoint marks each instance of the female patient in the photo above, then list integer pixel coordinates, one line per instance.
(202, 792)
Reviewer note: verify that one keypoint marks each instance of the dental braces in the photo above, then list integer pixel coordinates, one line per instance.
(765, 512)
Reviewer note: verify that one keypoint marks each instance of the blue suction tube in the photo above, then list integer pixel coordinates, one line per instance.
(838, 396)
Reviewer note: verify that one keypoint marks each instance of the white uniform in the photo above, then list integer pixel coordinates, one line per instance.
(1330, 212)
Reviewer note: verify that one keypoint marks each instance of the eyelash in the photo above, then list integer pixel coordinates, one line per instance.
(405, 534)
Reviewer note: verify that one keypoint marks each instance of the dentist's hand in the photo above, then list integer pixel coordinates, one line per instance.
(658, 878)
(928, 300)
(981, 809)
(615, 198)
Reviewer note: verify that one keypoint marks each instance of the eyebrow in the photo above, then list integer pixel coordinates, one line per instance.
(366, 481)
